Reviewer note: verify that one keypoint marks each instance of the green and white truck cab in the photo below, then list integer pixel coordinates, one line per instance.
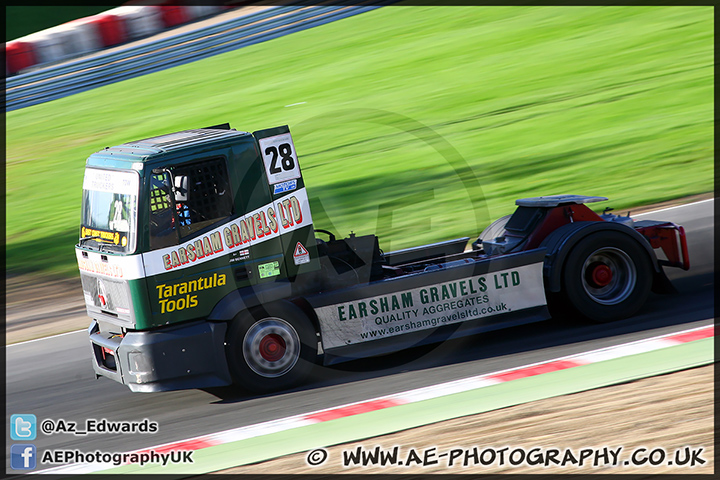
(172, 228)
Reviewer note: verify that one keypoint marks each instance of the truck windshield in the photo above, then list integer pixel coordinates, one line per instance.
(109, 210)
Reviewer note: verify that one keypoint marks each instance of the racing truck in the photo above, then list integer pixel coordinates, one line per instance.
(201, 267)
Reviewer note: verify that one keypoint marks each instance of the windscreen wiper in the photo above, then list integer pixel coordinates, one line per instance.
(94, 237)
(89, 237)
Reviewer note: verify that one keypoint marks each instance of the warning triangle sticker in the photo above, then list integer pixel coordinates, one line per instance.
(301, 255)
(300, 250)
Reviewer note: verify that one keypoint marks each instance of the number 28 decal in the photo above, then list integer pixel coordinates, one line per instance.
(288, 162)
(279, 157)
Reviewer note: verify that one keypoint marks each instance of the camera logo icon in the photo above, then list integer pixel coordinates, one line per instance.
(23, 427)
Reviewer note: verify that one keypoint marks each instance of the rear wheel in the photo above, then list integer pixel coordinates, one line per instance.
(607, 276)
(270, 348)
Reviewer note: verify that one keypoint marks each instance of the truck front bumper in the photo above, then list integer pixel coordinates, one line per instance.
(170, 358)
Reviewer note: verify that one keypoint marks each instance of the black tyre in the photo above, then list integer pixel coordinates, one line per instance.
(607, 276)
(270, 348)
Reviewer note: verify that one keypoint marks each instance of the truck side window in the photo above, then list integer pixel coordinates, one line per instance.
(162, 222)
(208, 199)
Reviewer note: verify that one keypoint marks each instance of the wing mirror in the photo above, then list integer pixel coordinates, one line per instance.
(181, 188)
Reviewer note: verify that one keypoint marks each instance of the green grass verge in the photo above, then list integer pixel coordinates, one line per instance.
(447, 113)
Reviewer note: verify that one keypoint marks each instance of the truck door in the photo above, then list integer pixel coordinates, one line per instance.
(189, 202)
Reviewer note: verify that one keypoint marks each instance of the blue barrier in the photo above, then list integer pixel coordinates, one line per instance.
(59, 81)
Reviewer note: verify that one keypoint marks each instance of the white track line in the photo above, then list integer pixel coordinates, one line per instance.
(674, 207)
(46, 338)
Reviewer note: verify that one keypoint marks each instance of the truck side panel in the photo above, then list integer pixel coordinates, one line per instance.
(396, 307)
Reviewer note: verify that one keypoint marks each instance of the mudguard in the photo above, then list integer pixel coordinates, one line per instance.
(248, 297)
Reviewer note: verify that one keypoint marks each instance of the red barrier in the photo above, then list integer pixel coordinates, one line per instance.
(112, 29)
(173, 15)
(139, 21)
(18, 56)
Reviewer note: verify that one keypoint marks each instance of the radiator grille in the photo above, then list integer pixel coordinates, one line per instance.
(116, 293)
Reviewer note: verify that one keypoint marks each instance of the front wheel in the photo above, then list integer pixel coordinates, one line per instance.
(607, 276)
(271, 348)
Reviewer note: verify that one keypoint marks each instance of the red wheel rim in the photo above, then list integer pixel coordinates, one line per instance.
(602, 275)
(272, 347)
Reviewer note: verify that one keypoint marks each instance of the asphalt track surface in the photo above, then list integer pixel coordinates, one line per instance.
(52, 377)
